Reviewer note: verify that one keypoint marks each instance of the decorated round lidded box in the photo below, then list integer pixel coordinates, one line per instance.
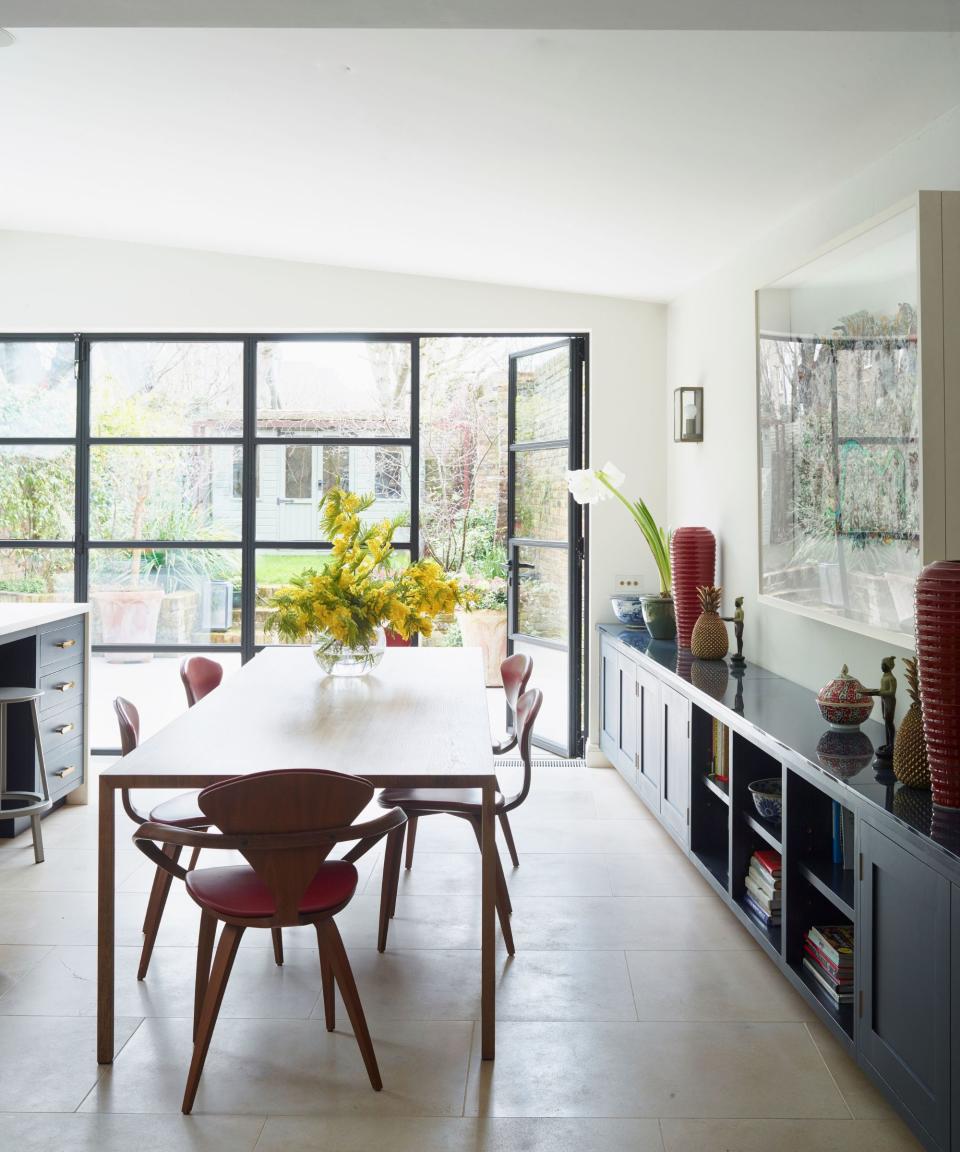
(844, 703)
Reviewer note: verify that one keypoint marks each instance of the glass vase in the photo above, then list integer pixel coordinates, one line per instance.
(338, 659)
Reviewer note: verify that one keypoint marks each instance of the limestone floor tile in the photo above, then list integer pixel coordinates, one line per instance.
(620, 804)
(550, 803)
(657, 874)
(64, 983)
(787, 1136)
(420, 922)
(290, 1067)
(445, 985)
(464, 1134)
(92, 1133)
(864, 1100)
(653, 1070)
(539, 874)
(16, 960)
(49, 1064)
(63, 870)
(711, 986)
(658, 922)
(558, 834)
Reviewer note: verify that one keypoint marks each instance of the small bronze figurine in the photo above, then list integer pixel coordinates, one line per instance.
(888, 704)
(737, 621)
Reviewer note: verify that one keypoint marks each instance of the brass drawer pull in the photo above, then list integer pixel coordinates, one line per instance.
(64, 729)
(66, 686)
(66, 643)
(68, 771)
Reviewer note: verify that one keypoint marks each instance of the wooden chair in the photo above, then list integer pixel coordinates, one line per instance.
(515, 672)
(181, 811)
(285, 823)
(200, 676)
(465, 803)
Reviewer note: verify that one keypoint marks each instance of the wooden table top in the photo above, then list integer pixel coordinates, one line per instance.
(419, 716)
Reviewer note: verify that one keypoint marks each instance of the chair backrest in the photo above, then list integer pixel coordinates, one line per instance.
(129, 720)
(515, 672)
(200, 676)
(528, 709)
(286, 800)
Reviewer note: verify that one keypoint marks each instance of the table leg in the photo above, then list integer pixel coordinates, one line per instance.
(106, 928)
(488, 848)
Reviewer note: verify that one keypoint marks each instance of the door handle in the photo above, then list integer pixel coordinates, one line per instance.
(519, 564)
(66, 686)
(68, 771)
(64, 729)
(65, 643)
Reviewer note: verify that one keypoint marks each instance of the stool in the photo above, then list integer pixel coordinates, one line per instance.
(35, 802)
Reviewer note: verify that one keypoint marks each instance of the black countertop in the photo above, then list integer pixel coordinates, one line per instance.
(786, 714)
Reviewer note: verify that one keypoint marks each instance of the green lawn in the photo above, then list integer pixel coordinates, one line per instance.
(279, 569)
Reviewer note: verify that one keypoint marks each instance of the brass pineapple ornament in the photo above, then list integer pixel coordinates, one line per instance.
(909, 747)
(709, 640)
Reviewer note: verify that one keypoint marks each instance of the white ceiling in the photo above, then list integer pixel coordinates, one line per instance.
(628, 163)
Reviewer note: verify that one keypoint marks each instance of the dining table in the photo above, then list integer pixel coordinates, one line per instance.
(419, 720)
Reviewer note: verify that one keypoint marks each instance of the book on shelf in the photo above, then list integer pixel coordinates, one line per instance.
(842, 835)
(768, 902)
(835, 941)
(836, 974)
(769, 861)
(767, 919)
(769, 883)
(836, 997)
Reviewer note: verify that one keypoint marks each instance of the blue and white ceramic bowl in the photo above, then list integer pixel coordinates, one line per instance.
(628, 609)
(768, 797)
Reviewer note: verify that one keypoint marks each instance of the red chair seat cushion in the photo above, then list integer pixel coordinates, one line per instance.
(240, 892)
(437, 799)
(182, 810)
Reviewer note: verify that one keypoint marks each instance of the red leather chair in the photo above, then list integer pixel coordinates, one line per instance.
(200, 676)
(285, 823)
(181, 811)
(515, 672)
(465, 803)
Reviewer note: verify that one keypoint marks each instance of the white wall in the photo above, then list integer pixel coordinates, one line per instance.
(711, 343)
(56, 283)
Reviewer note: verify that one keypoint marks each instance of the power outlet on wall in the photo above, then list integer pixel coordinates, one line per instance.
(628, 584)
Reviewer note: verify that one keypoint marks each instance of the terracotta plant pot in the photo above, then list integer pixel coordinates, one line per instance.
(938, 657)
(486, 628)
(693, 558)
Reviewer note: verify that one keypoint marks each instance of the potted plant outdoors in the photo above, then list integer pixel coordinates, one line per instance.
(592, 486)
(483, 624)
(344, 608)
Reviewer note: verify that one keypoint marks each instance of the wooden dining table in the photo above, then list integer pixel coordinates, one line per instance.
(418, 720)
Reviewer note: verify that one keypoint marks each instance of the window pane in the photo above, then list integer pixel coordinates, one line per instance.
(151, 681)
(294, 477)
(551, 671)
(162, 388)
(333, 388)
(168, 596)
(38, 391)
(37, 486)
(543, 385)
(540, 497)
(543, 600)
(164, 492)
(36, 574)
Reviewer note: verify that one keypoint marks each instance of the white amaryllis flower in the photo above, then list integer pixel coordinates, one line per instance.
(586, 487)
(613, 474)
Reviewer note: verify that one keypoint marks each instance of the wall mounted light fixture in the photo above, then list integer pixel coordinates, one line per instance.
(688, 415)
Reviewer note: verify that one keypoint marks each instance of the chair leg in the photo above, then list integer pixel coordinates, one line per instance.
(155, 906)
(395, 874)
(391, 860)
(326, 979)
(208, 932)
(508, 837)
(223, 962)
(277, 946)
(37, 838)
(333, 946)
(504, 907)
(411, 839)
(194, 857)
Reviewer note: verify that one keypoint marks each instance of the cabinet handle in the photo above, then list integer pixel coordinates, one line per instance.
(64, 729)
(66, 643)
(68, 771)
(66, 686)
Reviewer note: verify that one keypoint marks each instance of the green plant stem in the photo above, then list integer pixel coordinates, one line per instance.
(657, 540)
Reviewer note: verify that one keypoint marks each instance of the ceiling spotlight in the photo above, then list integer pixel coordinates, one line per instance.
(6, 38)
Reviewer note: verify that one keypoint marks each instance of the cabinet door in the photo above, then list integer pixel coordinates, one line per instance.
(629, 758)
(955, 1017)
(675, 765)
(609, 701)
(648, 738)
(903, 960)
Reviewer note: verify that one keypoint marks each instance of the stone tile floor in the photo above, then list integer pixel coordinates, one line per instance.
(637, 1013)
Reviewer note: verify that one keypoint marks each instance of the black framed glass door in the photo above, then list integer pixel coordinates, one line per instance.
(545, 542)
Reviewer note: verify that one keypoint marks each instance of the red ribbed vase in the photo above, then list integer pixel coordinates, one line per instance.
(938, 660)
(693, 558)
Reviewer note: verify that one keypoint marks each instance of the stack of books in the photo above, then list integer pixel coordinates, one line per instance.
(828, 957)
(762, 887)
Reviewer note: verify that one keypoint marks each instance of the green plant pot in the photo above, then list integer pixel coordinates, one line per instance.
(659, 617)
